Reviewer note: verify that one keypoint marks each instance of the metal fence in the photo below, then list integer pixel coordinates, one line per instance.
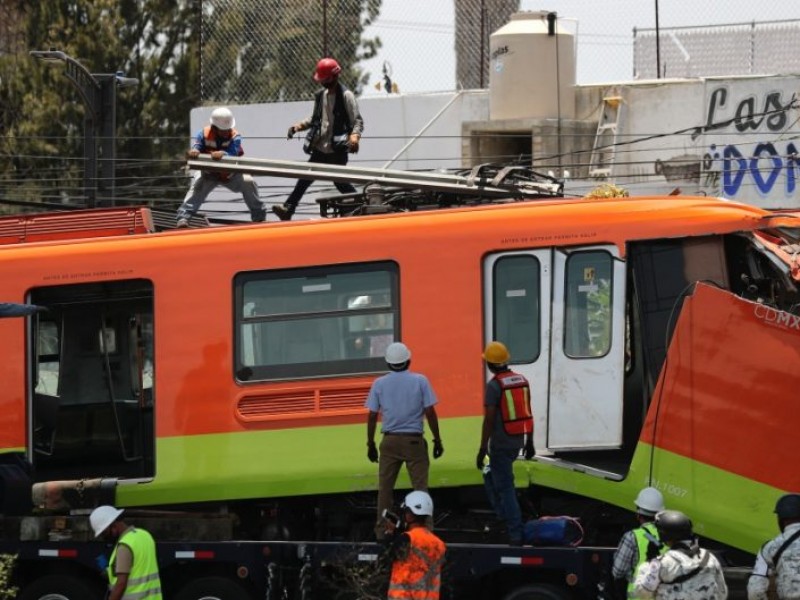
(736, 49)
(265, 50)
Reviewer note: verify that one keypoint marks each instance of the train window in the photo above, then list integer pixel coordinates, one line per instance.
(48, 358)
(588, 285)
(517, 313)
(314, 322)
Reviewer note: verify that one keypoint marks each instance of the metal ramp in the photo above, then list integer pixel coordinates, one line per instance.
(601, 162)
(392, 190)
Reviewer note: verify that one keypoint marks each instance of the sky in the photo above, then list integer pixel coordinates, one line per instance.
(417, 35)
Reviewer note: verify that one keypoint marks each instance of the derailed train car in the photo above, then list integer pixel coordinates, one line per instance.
(229, 365)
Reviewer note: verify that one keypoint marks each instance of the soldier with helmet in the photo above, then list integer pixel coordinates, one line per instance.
(404, 400)
(219, 139)
(639, 545)
(417, 554)
(685, 571)
(335, 128)
(778, 560)
(507, 429)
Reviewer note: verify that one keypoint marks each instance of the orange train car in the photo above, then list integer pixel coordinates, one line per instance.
(231, 364)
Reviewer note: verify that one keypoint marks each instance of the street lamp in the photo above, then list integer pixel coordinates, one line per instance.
(99, 94)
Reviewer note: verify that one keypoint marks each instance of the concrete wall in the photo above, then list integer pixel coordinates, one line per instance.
(730, 137)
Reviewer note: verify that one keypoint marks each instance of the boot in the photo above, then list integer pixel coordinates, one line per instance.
(283, 212)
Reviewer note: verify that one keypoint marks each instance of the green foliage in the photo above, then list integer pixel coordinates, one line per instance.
(251, 70)
(42, 114)
(7, 591)
(157, 42)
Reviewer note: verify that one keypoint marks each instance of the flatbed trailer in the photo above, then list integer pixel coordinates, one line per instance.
(296, 570)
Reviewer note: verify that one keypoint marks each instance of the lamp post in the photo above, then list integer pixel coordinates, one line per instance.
(99, 94)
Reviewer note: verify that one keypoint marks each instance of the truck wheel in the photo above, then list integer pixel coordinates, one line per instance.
(62, 587)
(538, 592)
(212, 588)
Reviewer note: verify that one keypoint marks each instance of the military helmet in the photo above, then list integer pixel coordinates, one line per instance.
(788, 506)
(673, 525)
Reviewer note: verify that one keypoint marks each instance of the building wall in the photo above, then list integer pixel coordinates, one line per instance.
(729, 137)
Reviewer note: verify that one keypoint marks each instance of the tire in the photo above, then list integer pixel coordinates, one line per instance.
(213, 588)
(537, 592)
(62, 587)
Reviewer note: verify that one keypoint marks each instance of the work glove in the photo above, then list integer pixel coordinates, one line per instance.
(372, 452)
(352, 142)
(530, 451)
(193, 153)
(480, 459)
(291, 132)
(101, 560)
(438, 449)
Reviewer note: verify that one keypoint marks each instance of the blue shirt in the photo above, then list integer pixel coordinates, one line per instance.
(401, 397)
(234, 147)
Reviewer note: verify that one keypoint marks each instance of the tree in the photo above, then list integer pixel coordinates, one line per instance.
(7, 591)
(41, 114)
(159, 42)
(266, 50)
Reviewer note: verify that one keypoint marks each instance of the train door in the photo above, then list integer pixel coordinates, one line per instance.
(517, 288)
(92, 380)
(561, 314)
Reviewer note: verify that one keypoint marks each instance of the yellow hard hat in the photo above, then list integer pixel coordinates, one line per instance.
(496, 353)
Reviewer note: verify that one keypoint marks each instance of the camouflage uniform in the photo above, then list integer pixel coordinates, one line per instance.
(655, 579)
(786, 573)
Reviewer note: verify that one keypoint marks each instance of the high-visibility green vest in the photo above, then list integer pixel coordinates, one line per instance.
(143, 581)
(645, 535)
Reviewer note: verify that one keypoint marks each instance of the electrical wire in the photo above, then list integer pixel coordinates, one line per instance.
(175, 181)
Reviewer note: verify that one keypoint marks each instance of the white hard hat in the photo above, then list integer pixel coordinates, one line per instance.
(397, 353)
(102, 517)
(222, 119)
(649, 501)
(419, 503)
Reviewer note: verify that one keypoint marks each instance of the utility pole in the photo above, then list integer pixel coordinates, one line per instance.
(658, 46)
(99, 94)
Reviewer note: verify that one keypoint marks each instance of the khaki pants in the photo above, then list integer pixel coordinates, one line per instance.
(394, 451)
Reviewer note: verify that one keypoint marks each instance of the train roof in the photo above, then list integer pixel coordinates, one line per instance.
(649, 217)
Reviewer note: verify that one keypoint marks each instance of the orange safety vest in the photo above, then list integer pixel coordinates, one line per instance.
(213, 144)
(418, 576)
(515, 403)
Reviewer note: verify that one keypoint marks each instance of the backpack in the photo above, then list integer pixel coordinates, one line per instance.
(553, 531)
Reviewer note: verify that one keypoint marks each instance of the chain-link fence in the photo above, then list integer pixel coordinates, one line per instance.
(725, 50)
(265, 50)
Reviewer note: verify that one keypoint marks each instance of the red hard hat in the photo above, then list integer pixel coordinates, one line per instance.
(327, 68)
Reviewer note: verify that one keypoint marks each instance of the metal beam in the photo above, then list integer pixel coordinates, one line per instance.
(472, 184)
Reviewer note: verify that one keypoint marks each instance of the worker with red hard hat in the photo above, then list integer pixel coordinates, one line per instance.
(334, 131)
